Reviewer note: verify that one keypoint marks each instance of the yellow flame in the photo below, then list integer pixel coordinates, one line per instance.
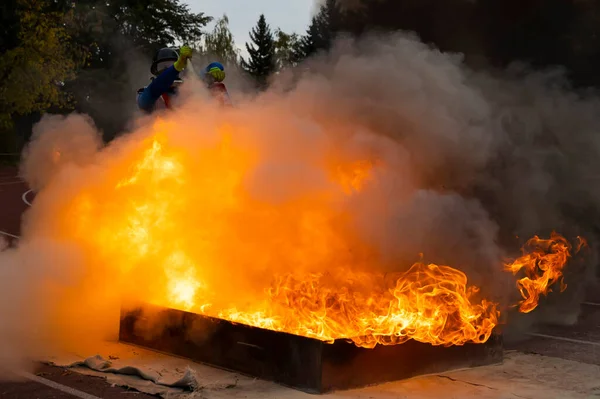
(183, 230)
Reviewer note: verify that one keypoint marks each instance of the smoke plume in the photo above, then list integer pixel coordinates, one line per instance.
(385, 150)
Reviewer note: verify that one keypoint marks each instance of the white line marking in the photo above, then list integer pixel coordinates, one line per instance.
(11, 182)
(577, 341)
(8, 234)
(590, 303)
(57, 386)
(24, 197)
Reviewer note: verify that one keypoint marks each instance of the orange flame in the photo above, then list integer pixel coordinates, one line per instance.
(428, 303)
(542, 266)
(182, 232)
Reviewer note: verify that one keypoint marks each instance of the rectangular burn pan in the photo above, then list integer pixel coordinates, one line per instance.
(302, 363)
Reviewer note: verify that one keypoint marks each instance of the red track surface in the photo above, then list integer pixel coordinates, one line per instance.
(12, 207)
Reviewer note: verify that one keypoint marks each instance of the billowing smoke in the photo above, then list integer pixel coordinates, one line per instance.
(385, 151)
(53, 145)
(499, 157)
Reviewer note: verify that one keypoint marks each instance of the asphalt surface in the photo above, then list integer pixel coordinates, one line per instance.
(580, 342)
(49, 382)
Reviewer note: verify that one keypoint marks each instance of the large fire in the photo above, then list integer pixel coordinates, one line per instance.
(169, 220)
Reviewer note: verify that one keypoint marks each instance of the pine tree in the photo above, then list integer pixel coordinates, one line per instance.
(308, 42)
(321, 31)
(261, 63)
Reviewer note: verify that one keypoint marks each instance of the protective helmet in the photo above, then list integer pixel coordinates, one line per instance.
(215, 71)
(164, 58)
(212, 65)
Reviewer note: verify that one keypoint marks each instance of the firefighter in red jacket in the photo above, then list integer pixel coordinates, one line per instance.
(213, 75)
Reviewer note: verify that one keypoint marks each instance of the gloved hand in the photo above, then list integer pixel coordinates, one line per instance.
(217, 74)
(185, 53)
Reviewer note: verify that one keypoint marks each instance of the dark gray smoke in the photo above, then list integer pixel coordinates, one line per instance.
(496, 157)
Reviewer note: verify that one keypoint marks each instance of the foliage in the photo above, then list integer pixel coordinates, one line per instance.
(92, 55)
(122, 37)
(492, 32)
(219, 43)
(36, 60)
(321, 31)
(9, 34)
(148, 25)
(287, 48)
(261, 63)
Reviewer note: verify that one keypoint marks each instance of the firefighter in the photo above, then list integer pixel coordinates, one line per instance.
(166, 68)
(214, 75)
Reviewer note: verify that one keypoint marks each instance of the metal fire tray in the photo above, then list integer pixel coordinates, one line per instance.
(302, 363)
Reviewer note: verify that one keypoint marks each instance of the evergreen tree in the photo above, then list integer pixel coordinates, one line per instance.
(261, 63)
(320, 33)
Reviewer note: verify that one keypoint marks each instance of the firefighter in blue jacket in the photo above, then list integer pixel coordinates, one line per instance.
(166, 67)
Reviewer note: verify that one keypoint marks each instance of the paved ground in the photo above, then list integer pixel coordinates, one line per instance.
(579, 343)
(55, 382)
(46, 382)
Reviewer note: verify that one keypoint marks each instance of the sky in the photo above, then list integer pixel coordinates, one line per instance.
(289, 15)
